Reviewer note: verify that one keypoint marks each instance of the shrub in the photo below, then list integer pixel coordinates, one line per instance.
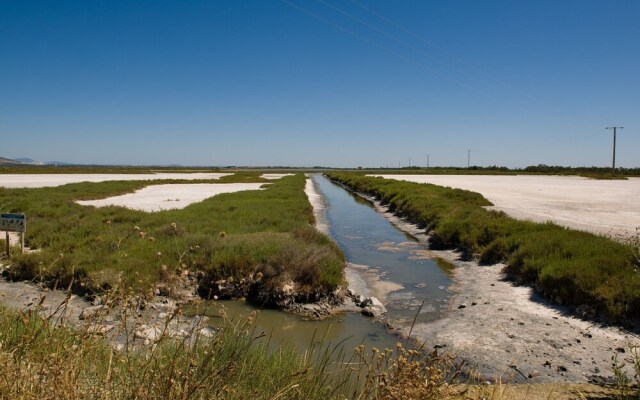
(565, 265)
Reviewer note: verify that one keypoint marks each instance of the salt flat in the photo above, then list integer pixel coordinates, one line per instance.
(598, 206)
(274, 176)
(170, 196)
(47, 180)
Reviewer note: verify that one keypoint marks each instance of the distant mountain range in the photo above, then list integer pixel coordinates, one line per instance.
(7, 161)
(29, 161)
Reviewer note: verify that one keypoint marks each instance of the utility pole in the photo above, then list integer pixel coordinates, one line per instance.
(613, 163)
(409, 162)
(427, 160)
(468, 158)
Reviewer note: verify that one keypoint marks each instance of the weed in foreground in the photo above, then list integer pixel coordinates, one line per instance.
(629, 386)
(42, 359)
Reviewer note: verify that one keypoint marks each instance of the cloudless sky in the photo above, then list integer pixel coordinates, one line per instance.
(320, 82)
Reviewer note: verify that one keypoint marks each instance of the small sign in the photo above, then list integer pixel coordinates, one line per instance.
(13, 222)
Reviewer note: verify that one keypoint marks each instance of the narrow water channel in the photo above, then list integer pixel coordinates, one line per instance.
(383, 261)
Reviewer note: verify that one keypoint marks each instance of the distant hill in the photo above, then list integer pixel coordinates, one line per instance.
(28, 161)
(7, 161)
(31, 161)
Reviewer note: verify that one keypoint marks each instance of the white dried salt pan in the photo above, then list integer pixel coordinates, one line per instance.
(170, 196)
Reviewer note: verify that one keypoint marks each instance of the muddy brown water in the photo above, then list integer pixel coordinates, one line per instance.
(386, 257)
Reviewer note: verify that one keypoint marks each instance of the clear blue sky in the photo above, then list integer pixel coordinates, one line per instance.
(320, 82)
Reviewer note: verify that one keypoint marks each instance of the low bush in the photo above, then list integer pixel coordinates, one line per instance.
(565, 265)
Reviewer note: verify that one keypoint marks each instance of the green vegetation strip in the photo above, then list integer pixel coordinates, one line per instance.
(230, 235)
(567, 266)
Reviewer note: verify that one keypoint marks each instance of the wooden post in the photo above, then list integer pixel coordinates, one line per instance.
(7, 239)
(22, 242)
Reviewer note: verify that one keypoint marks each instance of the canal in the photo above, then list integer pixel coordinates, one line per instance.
(383, 261)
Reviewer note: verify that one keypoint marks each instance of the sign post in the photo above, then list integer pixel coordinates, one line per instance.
(13, 223)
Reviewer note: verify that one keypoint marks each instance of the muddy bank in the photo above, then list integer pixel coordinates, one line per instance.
(125, 323)
(505, 331)
(128, 323)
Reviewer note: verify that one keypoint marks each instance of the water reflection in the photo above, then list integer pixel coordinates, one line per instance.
(282, 328)
(387, 257)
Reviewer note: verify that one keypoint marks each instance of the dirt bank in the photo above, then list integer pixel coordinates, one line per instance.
(505, 331)
(319, 205)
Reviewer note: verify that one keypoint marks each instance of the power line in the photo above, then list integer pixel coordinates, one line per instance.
(440, 49)
(383, 48)
(422, 39)
(326, 21)
(398, 40)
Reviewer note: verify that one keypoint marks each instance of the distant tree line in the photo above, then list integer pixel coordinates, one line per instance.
(532, 169)
(587, 171)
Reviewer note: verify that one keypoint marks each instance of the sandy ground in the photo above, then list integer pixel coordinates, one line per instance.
(599, 206)
(171, 196)
(506, 331)
(47, 180)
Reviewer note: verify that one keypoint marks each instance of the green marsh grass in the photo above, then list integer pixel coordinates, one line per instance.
(568, 266)
(233, 234)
